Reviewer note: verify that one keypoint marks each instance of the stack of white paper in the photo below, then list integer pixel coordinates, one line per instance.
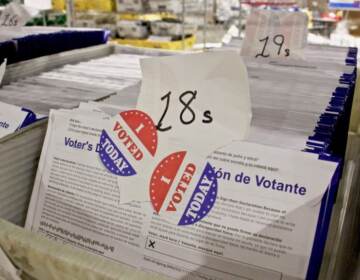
(72, 84)
(289, 98)
(62, 88)
(19, 157)
(271, 215)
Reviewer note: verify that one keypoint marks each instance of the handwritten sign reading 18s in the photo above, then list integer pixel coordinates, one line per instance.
(198, 101)
(187, 115)
(14, 15)
(9, 20)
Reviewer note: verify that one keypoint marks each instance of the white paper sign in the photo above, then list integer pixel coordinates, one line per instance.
(13, 15)
(275, 34)
(197, 100)
(11, 118)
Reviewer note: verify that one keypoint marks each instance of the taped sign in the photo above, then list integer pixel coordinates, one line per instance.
(275, 34)
(129, 144)
(183, 189)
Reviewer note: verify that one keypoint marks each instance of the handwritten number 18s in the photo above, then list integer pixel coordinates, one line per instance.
(187, 115)
(9, 20)
(278, 40)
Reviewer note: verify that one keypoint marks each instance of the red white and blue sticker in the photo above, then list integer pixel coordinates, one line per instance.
(183, 189)
(129, 143)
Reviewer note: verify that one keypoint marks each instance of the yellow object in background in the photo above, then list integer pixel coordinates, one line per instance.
(171, 45)
(146, 17)
(80, 5)
(100, 5)
(86, 5)
(59, 5)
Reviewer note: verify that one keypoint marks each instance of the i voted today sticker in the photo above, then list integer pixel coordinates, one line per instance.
(129, 143)
(183, 188)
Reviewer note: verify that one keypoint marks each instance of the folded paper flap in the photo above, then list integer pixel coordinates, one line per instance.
(45, 259)
(7, 269)
(13, 118)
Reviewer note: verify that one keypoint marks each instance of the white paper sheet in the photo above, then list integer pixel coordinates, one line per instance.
(70, 170)
(204, 94)
(257, 229)
(11, 118)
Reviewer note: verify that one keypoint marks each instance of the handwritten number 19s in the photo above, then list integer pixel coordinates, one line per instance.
(278, 40)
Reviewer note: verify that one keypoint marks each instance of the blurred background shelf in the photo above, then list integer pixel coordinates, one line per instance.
(170, 45)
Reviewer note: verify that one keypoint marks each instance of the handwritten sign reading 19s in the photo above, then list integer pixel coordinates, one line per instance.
(187, 115)
(275, 35)
(279, 41)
